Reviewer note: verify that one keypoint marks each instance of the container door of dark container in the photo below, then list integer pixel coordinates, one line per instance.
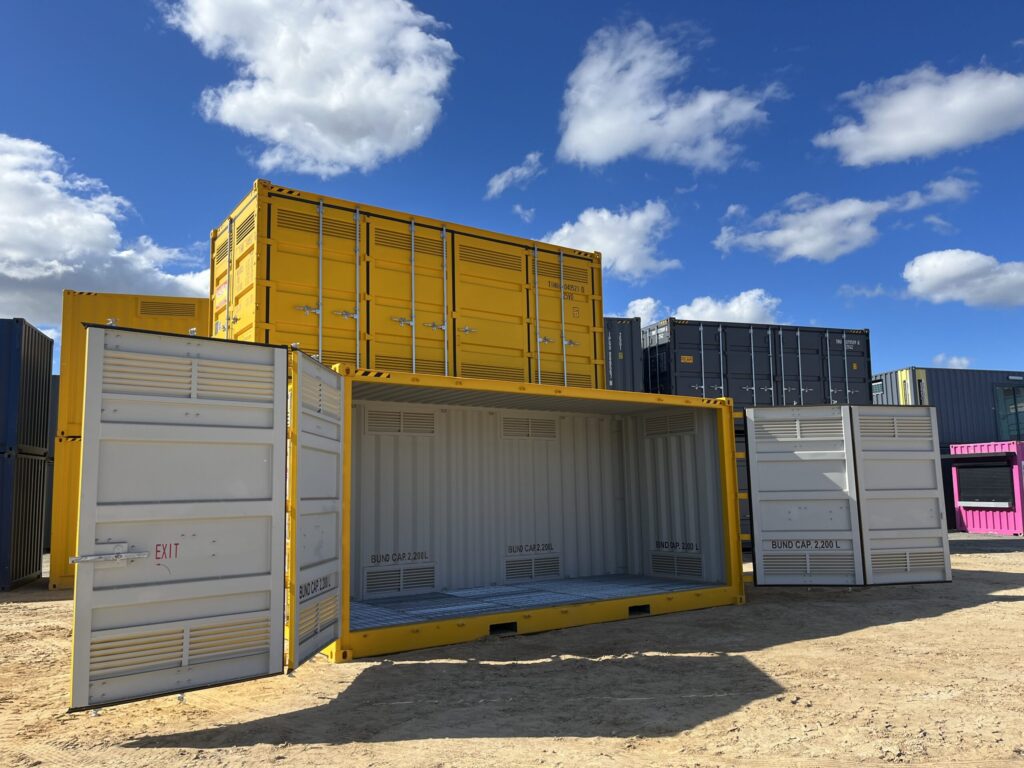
(800, 362)
(851, 367)
(748, 366)
(695, 360)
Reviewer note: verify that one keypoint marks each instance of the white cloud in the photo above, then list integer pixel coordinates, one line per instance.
(526, 214)
(60, 230)
(753, 306)
(326, 86)
(648, 309)
(621, 100)
(735, 211)
(939, 224)
(861, 291)
(924, 113)
(813, 228)
(942, 360)
(976, 279)
(628, 239)
(519, 175)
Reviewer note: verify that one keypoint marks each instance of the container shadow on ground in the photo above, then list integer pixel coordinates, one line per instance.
(653, 676)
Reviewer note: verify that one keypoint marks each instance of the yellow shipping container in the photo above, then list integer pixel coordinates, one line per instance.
(167, 314)
(374, 288)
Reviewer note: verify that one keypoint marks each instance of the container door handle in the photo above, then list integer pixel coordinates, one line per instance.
(118, 554)
(544, 340)
(308, 310)
(435, 326)
(570, 343)
(344, 314)
(467, 329)
(402, 321)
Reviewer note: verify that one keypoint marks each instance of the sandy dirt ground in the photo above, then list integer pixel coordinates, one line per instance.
(926, 674)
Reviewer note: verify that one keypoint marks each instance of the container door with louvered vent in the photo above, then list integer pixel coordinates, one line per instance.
(393, 319)
(567, 288)
(803, 496)
(899, 478)
(489, 321)
(314, 510)
(180, 576)
(285, 311)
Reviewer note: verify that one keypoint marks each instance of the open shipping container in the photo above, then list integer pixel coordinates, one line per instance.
(166, 314)
(225, 525)
(987, 487)
(375, 288)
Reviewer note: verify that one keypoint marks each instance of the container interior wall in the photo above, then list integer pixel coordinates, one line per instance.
(459, 498)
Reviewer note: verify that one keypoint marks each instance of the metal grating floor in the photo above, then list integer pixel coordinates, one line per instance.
(432, 606)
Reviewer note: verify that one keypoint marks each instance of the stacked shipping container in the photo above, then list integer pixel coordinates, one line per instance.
(26, 361)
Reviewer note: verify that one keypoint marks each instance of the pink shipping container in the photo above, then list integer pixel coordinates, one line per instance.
(987, 487)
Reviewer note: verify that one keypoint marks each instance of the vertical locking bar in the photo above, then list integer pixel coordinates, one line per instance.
(846, 369)
(444, 272)
(320, 282)
(828, 362)
(561, 302)
(771, 364)
(703, 383)
(358, 312)
(536, 320)
(412, 280)
(800, 366)
(230, 309)
(782, 366)
(721, 361)
(753, 366)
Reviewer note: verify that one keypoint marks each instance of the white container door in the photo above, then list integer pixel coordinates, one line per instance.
(180, 576)
(314, 510)
(899, 478)
(803, 496)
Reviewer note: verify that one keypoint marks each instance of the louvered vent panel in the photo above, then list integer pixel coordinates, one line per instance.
(311, 394)
(476, 255)
(677, 566)
(389, 580)
(916, 427)
(835, 564)
(785, 564)
(475, 371)
(222, 251)
(310, 222)
(821, 429)
(308, 621)
(580, 380)
(521, 426)
(334, 358)
(518, 569)
(668, 424)
(425, 245)
(393, 363)
(167, 308)
(878, 427)
(547, 567)
(575, 274)
(330, 402)
(420, 577)
(216, 380)
(111, 657)
(138, 374)
(927, 560)
(384, 422)
(776, 430)
(245, 229)
(435, 367)
(890, 562)
(417, 423)
(229, 639)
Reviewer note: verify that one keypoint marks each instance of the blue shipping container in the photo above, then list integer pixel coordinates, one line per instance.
(22, 497)
(26, 365)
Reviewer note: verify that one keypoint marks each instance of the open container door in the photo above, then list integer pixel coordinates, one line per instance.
(180, 578)
(315, 496)
(803, 491)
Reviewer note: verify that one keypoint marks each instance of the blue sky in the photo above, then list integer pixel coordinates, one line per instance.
(678, 139)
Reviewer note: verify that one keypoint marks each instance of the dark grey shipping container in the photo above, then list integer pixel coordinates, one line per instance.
(971, 406)
(48, 502)
(622, 354)
(22, 495)
(26, 363)
(758, 364)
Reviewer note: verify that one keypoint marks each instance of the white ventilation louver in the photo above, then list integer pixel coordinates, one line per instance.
(526, 427)
(669, 424)
(890, 427)
(689, 566)
(415, 578)
(800, 429)
(906, 562)
(532, 568)
(805, 564)
(380, 422)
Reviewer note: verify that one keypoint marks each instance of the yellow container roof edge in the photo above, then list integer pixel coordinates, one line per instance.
(391, 213)
(515, 387)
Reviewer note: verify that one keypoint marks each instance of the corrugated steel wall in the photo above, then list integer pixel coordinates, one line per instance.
(22, 486)
(26, 362)
(622, 354)
(467, 489)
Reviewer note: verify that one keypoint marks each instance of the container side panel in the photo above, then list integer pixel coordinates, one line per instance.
(180, 577)
(806, 514)
(26, 361)
(623, 355)
(22, 499)
(899, 478)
